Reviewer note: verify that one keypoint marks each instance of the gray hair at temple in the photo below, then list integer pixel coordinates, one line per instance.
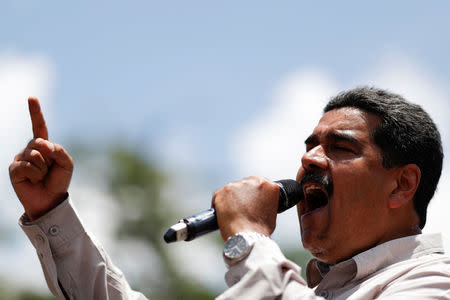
(406, 135)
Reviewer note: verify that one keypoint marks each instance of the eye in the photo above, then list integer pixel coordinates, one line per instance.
(342, 148)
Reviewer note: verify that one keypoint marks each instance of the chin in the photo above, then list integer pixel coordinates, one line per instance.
(311, 244)
(316, 246)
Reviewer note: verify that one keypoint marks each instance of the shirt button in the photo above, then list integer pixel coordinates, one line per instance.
(53, 230)
(40, 239)
(324, 294)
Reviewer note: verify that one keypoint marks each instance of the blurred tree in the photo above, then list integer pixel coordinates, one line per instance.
(300, 256)
(10, 292)
(137, 185)
(30, 295)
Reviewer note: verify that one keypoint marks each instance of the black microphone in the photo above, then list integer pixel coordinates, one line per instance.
(204, 222)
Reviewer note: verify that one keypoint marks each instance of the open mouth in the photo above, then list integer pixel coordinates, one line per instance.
(315, 197)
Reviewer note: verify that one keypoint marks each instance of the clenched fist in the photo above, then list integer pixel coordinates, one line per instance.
(250, 204)
(40, 173)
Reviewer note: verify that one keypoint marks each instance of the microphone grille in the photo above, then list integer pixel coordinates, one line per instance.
(290, 194)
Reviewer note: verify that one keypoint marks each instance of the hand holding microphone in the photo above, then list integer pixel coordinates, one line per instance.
(247, 205)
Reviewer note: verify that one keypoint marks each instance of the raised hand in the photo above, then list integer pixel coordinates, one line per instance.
(247, 205)
(40, 173)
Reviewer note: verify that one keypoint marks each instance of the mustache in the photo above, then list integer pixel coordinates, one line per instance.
(318, 178)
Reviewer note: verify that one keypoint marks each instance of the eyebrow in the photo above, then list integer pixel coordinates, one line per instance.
(335, 136)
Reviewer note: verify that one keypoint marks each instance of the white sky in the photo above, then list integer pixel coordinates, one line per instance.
(211, 92)
(270, 144)
(273, 142)
(20, 77)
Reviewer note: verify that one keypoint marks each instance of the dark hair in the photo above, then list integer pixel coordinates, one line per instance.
(406, 135)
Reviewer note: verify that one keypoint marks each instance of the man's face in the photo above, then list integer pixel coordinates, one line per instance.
(345, 187)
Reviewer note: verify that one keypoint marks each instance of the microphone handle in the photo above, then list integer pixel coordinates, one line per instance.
(204, 222)
(201, 223)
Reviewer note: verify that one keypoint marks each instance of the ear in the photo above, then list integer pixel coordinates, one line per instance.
(408, 179)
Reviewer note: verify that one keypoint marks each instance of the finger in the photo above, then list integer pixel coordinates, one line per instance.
(44, 147)
(33, 156)
(20, 171)
(53, 153)
(62, 158)
(37, 119)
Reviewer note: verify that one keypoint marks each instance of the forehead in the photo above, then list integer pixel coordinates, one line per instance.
(347, 120)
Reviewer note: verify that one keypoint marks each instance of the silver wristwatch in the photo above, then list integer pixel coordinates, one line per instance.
(238, 246)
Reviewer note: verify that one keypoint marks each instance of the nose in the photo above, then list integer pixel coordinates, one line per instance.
(315, 158)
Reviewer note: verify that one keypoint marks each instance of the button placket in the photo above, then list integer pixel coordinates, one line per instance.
(40, 239)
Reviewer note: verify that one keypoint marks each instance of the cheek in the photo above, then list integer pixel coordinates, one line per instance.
(299, 210)
(358, 200)
(353, 194)
(354, 179)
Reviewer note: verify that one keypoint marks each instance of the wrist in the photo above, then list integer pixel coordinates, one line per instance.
(238, 246)
(36, 213)
(238, 227)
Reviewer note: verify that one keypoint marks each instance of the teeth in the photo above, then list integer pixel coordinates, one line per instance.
(311, 188)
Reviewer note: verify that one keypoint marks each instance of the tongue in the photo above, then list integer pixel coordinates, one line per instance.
(316, 200)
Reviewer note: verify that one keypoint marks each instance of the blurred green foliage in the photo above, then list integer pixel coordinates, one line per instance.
(137, 185)
(10, 293)
(300, 256)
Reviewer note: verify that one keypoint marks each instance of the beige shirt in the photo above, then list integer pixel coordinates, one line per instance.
(413, 267)
(70, 257)
(407, 268)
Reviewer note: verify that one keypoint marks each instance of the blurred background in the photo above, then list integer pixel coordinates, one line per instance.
(161, 104)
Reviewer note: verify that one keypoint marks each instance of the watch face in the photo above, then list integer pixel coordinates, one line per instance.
(235, 247)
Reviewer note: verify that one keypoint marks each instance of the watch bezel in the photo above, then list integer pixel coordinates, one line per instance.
(237, 247)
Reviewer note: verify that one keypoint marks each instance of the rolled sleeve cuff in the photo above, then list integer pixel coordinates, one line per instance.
(265, 253)
(55, 228)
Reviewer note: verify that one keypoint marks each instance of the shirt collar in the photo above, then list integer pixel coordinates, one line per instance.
(395, 251)
(376, 258)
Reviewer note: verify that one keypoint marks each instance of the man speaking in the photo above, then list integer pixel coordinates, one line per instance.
(370, 168)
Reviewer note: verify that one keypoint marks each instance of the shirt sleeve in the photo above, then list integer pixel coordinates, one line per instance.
(266, 274)
(75, 265)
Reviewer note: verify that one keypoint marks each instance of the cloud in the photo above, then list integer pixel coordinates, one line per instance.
(271, 145)
(20, 77)
(417, 84)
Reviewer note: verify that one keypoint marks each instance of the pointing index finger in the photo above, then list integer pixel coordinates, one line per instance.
(37, 119)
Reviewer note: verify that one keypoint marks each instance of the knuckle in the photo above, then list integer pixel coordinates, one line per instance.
(38, 140)
(264, 184)
(227, 188)
(248, 180)
(255, 180)
(34, 153)
(12, 168)
(58, 148)
(18, 156)
(24, 164)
